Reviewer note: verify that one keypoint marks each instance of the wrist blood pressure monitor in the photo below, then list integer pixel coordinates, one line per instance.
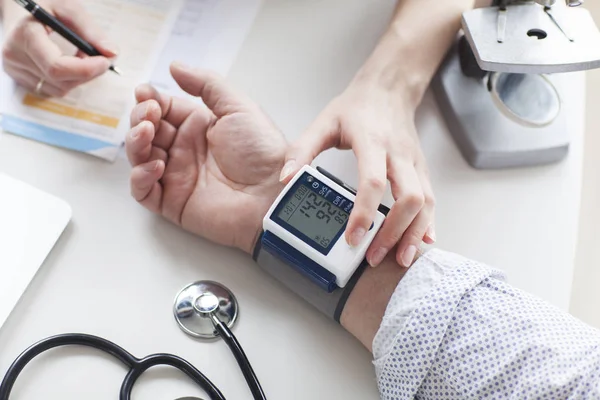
(303, 244)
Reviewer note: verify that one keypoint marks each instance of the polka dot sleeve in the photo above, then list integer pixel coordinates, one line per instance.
(455, 330)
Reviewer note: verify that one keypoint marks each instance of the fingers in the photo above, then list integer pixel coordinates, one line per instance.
(141, 144)
(322, 135)
(19, 60)
(148, 160)
(36, 75)
(145, 186)
(416, 232)
(174, 110)
(138, 143)
(73, 15)
(29, 81)
(372, 183)
(148, 110)
(220, 97)
(146, 92)
(54, 65)
(164, 133)
(413, 236)
(29, 48)
(429, 206)
(406, 189)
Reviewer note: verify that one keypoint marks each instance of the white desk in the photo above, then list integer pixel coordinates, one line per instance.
(117, 269)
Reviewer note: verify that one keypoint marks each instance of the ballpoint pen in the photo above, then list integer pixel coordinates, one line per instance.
(50, 21)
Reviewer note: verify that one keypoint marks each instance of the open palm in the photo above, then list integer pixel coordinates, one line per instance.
(212, 169)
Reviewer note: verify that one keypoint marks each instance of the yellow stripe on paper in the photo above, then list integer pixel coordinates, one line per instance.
(61, 109)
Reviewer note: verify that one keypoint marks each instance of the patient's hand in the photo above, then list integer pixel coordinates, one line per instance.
(213, 170)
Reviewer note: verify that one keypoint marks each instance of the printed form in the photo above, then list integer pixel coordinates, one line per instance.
(94, 118)
(207, 34)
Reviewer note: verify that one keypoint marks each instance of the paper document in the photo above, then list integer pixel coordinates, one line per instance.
(151, 34)
(94, 116)
(208, 34)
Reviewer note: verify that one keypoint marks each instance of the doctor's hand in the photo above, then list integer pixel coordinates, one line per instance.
(213, 170)
(35, 61)
(378, 125)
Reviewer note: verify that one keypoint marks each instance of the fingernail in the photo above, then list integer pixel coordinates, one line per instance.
(110, 46)
(378, 256)
(357, 236)
(409, 255)
(151, 167)
(288, 168)
(180, 65)
(431, 233)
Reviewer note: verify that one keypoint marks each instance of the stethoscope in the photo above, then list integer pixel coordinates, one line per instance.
(203, 309)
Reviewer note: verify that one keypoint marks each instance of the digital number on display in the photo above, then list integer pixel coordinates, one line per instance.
(314, 216)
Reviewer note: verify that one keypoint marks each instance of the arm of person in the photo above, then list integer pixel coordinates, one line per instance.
(374, 117)
(412, 48)
(453, 328)
(448, 327)
(410, 51)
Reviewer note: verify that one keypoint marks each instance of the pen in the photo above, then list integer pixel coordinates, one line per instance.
(47, 19)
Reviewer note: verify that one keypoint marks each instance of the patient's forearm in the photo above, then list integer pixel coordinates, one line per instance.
(455, 329)
(366, 305)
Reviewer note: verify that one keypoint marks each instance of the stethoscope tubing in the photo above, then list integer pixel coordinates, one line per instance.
(136, 366)
(241, 358)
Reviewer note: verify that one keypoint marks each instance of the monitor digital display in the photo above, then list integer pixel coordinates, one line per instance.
(317, 218)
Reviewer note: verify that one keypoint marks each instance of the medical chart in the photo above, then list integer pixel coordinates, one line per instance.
(207, 34)
(94, 118)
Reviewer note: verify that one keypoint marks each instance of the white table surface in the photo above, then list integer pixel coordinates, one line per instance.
(117, 268)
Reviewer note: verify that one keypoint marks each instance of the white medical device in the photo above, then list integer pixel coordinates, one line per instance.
(305, 226)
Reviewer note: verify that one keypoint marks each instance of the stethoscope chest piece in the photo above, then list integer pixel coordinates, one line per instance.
(200, 301)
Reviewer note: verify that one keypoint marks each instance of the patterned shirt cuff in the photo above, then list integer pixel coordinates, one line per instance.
(418, 282)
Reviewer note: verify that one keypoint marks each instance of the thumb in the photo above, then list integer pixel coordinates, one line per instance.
(216, 93)
(322, 135)
(75, 17)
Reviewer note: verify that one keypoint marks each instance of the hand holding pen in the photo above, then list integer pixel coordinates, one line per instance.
(35, 62)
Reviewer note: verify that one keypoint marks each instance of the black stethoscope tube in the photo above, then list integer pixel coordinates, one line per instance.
(242, 360)
(136, 366)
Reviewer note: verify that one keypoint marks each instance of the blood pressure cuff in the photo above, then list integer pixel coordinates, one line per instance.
(329, 303)
(504, 3)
